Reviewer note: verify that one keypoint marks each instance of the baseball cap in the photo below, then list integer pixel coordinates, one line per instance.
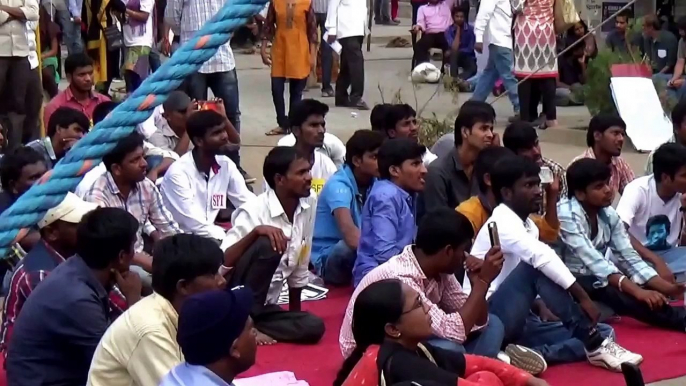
(209, 323)
(176, 101)
(70, 210)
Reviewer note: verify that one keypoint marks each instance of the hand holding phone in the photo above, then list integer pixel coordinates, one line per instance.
(208, 105)
(493, 234)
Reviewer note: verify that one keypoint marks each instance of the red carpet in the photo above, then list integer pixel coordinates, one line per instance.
(664, 352)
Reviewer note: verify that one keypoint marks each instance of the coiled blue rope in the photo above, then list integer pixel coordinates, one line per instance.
(88, 152)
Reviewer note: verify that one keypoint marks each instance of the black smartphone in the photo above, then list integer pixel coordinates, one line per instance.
(493, 234)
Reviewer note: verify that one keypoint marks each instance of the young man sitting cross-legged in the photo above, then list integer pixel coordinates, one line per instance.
(532, 269)
(589, 226)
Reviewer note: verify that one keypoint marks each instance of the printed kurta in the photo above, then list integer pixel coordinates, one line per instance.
(534, 39)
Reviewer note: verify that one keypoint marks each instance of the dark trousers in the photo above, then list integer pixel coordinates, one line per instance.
(326, 53)
(673, 318)
(464, 61)
(224, 85)
(351, 72)
(533, 91)
(34, 102)
(415, 9)
(428, 41)
(14, 71)
(295, 94)
(255, 270)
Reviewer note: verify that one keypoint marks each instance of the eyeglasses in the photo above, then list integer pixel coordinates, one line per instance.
(417, 304)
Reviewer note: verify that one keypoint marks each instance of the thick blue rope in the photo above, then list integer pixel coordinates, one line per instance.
(88, 152)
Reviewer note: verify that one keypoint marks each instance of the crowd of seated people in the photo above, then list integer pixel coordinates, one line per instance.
(121, 281)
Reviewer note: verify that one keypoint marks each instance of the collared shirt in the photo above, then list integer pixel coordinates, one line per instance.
(66, 99)
(519, 242)
(662, 51)
(346, 18)
(341, 191)
(388, 225)
(266, 209)
(144, 203)
(32, 270)
(140, 347)
(442, 296)
(561, 174)
(44, 147)
(621, 171)
(188, 17)
(195, 199)
(333, 147)
(467, 39)
(586, 255)
(164, 137)
(649, 162)
(59, 328)
(435, 18)
(14, 41)
(190, 375)
(495, 20)
(447, 184)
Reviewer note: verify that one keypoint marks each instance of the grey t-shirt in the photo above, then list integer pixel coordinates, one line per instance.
(444, 145)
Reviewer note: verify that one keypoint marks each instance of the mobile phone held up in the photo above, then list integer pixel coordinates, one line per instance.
(208, 105)
(493, 234)
(546, 175)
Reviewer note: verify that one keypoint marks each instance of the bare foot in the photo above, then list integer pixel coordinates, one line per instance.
(263, 339)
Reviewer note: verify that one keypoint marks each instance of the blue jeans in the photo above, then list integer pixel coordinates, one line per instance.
(224, 85)
(554, 341)
(295, 95)
(337, 267)
(675, 258)
(500, 60)
(677, 94)
(515, 296)
(327, 54)
(71, 32)
(486, 342)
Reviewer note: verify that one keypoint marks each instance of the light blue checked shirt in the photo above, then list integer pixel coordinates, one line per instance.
(585, 256)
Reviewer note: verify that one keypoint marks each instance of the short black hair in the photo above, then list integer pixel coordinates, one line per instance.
(520, 135)
(104, 234)
(125, 146)
(102, 110)
(679, 114)
(200, 122)
(600, 123)
(397, 113)
(76, 61)
(442, 227)
(278, 161)
(378, 117)
(485, 161)
(394, 152)
(508, 170)
(668, 159)
(14, 161)
(183, 257)
(361, 142)
(471, 113)
(625, 14)
(64, 117)
(460, 9)
(584, 172)
(304, 109)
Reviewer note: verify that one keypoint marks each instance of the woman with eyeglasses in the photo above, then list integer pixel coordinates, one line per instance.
(389, 323)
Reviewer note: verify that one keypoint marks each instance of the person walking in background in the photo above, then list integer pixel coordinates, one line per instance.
(346, 21)
(495, 20)
(291, 26)
(138, 35)
(382, 13)
(70, 26)
(534, 51)
(325, 51)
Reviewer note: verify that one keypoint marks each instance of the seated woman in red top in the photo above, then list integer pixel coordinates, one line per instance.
(389, 322)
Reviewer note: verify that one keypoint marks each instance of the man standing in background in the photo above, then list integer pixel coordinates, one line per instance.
(325, 51)
(67, 13)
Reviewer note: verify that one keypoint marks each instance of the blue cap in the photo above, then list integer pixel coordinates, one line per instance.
(209, 323)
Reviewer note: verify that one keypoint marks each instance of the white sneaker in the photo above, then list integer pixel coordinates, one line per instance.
(526, 359)
(503, 357)
(610, 355)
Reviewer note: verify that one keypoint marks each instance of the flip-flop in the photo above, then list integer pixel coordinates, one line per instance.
(276, 131)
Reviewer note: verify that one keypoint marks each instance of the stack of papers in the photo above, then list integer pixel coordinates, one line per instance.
(310, 292)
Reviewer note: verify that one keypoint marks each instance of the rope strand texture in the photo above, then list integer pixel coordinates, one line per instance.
(88, 152)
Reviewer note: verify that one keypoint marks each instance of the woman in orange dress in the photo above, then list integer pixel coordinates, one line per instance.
(291, 27)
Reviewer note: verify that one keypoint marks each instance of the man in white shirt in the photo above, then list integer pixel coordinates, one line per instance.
(346, 21)
(333, 147)
(170, 124)
(400, 121)
(198, 185)
(533, 269)
(137, 32)
(652, 209)
(495, 20)
(269, 245)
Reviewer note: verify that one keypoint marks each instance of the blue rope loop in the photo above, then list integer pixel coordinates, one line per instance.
(88, 152)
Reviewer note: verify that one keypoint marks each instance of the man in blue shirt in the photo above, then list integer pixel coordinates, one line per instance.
(461, 40)
(339, 207)
(388, 215)
(62, 321)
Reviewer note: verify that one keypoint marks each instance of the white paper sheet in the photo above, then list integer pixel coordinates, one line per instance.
(639, 106)
(336, 46)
